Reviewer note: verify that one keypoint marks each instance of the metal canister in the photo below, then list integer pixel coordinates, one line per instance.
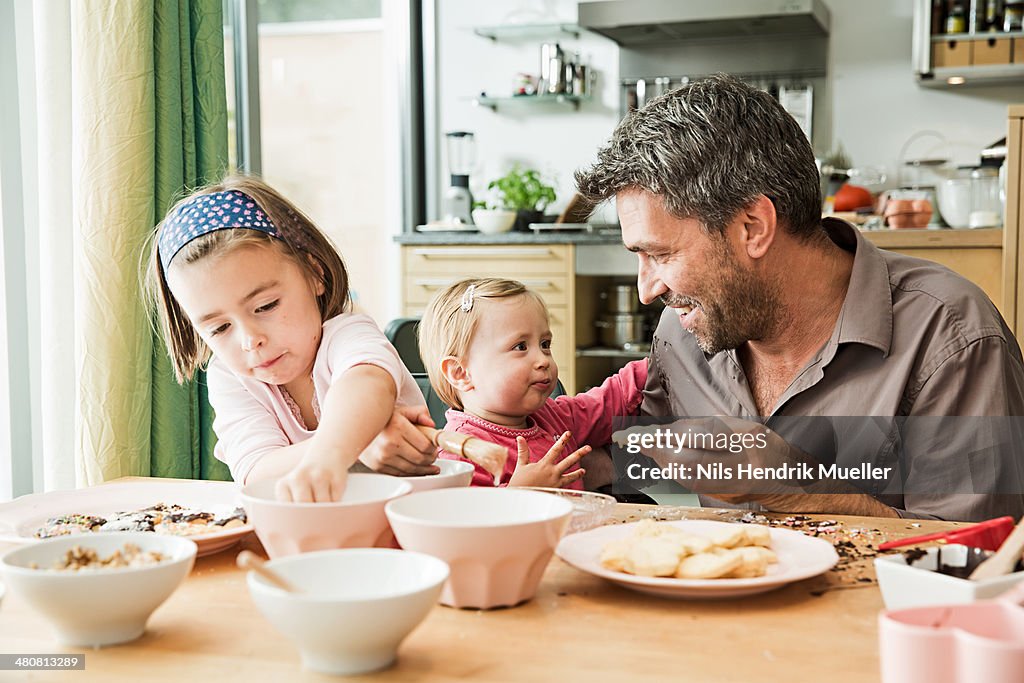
(552, 69)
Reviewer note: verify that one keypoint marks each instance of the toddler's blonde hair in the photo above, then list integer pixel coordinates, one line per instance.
(302, 242)
(447, 329)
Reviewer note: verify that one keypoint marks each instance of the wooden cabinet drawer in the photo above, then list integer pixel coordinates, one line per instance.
(1018, 50)
(420, 287)
(497, 260)
(992, 51)
(951, 53)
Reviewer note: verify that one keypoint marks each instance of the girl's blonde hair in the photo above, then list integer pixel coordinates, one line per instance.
(450, 322)
(301, 241)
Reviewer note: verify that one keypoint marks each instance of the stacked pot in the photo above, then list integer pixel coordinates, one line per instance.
(623, 326)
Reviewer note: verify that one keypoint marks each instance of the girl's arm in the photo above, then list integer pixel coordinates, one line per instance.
(356, 408)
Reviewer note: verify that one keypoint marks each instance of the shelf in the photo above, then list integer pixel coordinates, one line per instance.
(530, 100)
(985, 35)
(981, 74)
(527, 31)
(605, 352)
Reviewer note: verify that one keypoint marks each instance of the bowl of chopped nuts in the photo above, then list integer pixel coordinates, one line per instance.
(99, 589)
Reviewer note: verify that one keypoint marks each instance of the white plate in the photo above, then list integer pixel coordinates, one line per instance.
(800, 557)
(22, 517)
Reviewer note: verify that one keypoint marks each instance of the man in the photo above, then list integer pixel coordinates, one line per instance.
(773, 312)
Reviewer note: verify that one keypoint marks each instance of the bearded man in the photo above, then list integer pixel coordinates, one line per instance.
(774, 313)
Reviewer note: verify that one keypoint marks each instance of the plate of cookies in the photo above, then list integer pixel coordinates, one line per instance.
(697, 558)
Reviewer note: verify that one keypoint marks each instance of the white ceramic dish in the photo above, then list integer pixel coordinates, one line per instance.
(917, 585)
(22, 517)
(453, 473)
(493, 221)
(356, 607)
(497, 541)
(91, 608)
(355, 521)
(800, 557)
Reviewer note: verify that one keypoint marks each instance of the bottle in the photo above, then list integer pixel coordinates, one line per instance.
(938, 17)
(993, 15)
(956, 22)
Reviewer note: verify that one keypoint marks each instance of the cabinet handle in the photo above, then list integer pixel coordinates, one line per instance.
(439, 282)
(498, 252)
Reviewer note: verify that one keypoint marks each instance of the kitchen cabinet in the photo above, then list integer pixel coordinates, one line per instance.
(954, 59)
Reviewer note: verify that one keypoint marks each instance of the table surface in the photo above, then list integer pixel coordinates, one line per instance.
(578, 627)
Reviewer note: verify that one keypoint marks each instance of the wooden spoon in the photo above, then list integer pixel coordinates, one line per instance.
(490, 456)
(250, 560)
(1005, 558)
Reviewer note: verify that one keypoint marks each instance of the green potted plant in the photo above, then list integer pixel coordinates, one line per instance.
(523, 191)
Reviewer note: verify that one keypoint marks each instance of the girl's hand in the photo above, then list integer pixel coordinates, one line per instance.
(400, 449)
(312, 481)
(549, 471)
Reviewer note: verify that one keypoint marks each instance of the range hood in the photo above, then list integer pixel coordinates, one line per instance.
(644, 22)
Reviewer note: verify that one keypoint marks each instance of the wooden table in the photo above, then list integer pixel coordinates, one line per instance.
(577, 628)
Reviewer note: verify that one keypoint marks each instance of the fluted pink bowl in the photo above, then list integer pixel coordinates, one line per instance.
(497, 541)
(356, 521)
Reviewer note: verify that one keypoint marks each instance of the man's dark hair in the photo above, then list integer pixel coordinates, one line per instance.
(708, 149)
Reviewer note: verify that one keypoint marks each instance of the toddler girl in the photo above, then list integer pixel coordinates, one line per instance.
(299, 384)
(487, 347)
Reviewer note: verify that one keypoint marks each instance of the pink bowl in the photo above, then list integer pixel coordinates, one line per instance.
(497, 541)
(981, 641)
(356, 521)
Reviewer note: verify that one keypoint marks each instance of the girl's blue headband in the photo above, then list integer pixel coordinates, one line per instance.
(209, 212)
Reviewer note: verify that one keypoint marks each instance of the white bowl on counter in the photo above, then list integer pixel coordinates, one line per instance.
(355, 521)
(494, 221)
(453, 474)
(497, 541)
(355, 606)
(919, 585)
(94, 607)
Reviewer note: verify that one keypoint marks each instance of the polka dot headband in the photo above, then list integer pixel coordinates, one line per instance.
(209, 212)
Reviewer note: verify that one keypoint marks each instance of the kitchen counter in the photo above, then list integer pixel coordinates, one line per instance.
(578, 627)
(602, 236)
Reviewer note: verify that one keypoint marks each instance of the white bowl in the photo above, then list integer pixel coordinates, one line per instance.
(355, 521)
(454, 473)
(955, 201)
(493, 221)
(356, 606)
(102, 606)
(497, 541)
(918, 585)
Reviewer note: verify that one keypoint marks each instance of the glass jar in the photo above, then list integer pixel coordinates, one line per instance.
(1013, 16)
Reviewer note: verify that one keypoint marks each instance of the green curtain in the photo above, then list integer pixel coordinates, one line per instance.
(191, 150)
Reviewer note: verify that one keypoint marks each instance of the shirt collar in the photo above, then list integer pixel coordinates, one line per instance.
(866, 316)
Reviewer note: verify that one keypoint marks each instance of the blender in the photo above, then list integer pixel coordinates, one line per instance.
(458, 201)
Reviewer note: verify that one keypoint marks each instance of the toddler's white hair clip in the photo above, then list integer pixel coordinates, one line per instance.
(467, 299)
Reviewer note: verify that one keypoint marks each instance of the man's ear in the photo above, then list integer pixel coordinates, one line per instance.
(456, 374)
(759, 226)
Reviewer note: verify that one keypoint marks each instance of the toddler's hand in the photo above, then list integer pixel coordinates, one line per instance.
(549, 471)
(312, 481)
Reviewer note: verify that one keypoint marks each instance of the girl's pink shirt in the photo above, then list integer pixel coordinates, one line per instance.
(588, 416)
(252, 418)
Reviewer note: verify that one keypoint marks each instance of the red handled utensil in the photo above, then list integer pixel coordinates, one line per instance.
(988, 535)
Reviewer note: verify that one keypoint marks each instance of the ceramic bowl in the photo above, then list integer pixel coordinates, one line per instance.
(453, 473)
(919, 585)
(94, 607)
(589, 508)
(356, 606)
(492, 221)
(497, 541)
(356, 521)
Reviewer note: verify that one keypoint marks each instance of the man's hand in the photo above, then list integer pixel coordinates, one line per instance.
(401, 449)
(549, 471)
